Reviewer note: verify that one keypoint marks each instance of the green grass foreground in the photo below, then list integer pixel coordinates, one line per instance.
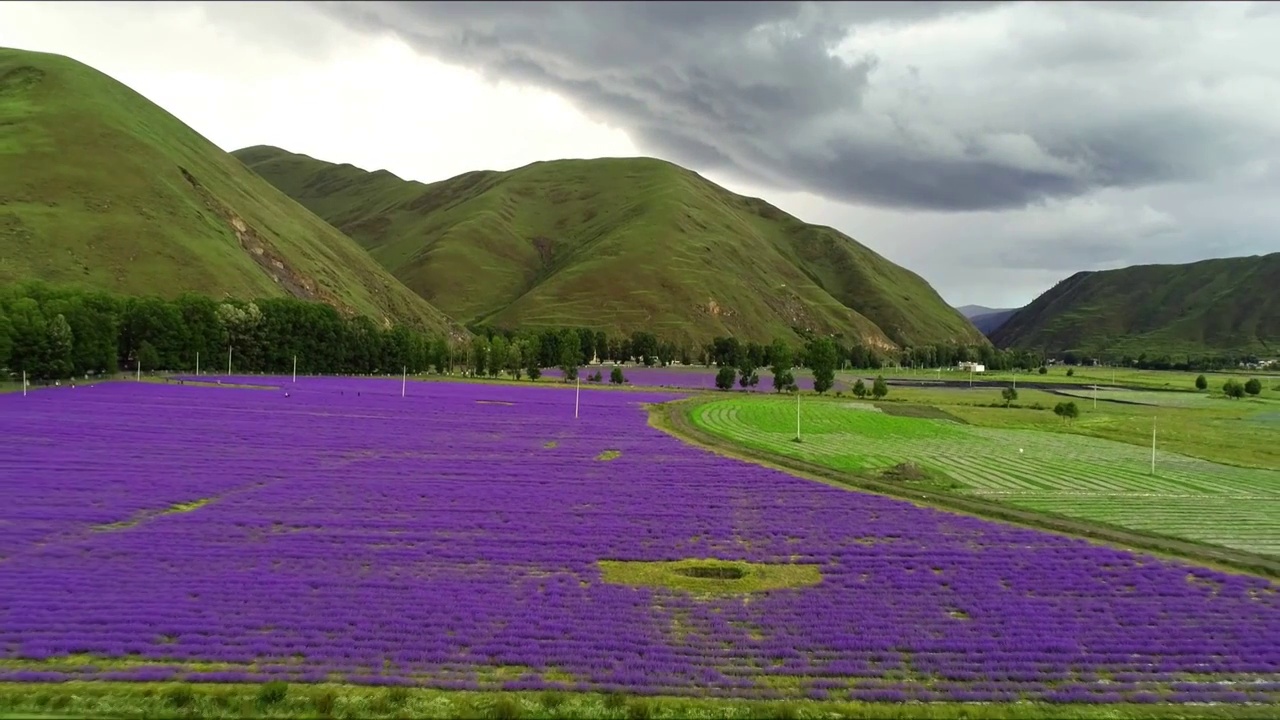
(275, 700)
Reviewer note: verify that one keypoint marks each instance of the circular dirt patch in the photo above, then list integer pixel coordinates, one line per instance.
(712, 572)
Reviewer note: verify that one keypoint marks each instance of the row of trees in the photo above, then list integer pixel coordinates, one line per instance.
(51, 333)
(58, 332)
(1165, 361)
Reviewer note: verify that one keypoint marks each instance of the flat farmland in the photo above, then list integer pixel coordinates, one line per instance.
(1072, 475)
(474, 536)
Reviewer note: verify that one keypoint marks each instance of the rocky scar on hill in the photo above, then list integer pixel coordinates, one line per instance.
(100, 189)
(619, 246)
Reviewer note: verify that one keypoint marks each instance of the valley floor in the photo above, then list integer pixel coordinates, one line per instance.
(179, 539)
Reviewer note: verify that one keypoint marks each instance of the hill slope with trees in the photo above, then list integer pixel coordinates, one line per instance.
(101, 189)
(1228, 305)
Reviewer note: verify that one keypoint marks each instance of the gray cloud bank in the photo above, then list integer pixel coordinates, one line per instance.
(993, 147)
(921, 105)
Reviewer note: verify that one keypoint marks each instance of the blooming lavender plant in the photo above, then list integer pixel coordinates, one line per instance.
(452, 537)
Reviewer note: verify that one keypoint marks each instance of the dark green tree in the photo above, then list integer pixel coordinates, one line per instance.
(6, 340)
(860, 389)
(1253, 386)
(1233, 389)
(879, 388)
(780, 359)
(147, 358)
(1201, 382)
(1009, 394)
(570, 355)
(822, 359)
(615, 375)
(725, 376)
(1067, 411)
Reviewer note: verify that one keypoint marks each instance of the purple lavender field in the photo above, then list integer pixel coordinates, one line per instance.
(452, 538)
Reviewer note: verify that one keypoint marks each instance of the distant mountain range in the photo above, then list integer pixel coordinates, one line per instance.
(100, 188)
(973, 311)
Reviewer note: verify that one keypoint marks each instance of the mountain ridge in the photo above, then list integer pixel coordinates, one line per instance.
(100, 188)
(642, 242)
(1220, 305)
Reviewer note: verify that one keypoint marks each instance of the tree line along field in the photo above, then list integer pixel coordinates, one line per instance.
(161, 533)
(1067, 474)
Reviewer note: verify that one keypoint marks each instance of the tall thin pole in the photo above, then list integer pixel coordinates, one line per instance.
(404, 379)
(228, 361)
(577, 390)
(797, 414)
(139, 370)
(295, 368)
(1153, 445)
(197, 364)
(24, 383)
(1095, 396)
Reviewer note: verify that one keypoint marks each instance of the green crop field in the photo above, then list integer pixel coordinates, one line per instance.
(1100, 375)
(1071, 475)
(1231, 432)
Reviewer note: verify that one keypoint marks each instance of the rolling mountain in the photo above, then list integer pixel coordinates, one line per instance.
(973, 311)
(1223, 305)
(986, 319)
(100, 188)
(617, 245)
(988, 323)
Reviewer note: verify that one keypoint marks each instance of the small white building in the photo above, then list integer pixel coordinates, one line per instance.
(972, 367)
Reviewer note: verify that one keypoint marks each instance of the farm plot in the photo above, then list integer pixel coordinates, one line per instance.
(1069, 474)
(1157, 398)
(472, 536)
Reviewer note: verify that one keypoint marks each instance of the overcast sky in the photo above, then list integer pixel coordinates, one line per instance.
(993, 148)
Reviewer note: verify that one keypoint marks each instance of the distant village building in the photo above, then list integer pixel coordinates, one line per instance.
(972, 367)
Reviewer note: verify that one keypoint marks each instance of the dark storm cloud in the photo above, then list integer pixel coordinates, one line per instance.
(843, 100)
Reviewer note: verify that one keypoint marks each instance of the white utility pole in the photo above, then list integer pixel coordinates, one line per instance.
(139, 371)
(24, 383)
(1095, 396)
(197, 364)
(295, 368)
(577, 390)
(797, 414)
(404, 378)
(228, 361)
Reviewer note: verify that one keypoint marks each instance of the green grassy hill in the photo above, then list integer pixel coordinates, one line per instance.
(1210, 306)
(100, 188)
(617, 245)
